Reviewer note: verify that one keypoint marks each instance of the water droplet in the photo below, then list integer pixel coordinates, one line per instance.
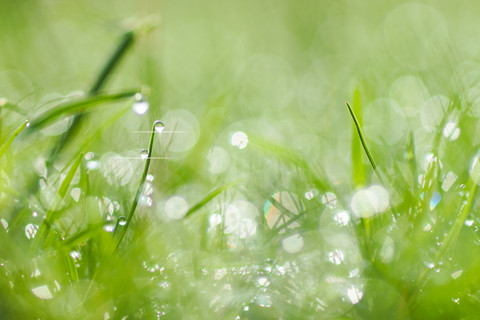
(336, 256)
(342, 218)
(27, 123)
(89, 155)
(109, 227)
(144, 154)
(176, 207)
(159, 126)
(31, 231)
(215, 219)
(448, 181)
(122, 221)
(354, 294)
(239, 139)
(469, 223)
(92, 165)
(329, 199)
(451, 131)
(140, 106)
(4, 224)
(370, 201)
(456, 300)
(456, 274)
(42, 292)
(75, 193)
(309, 195)
(150, 178)
(293, 244)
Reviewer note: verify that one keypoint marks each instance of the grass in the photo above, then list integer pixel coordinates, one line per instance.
(261, 196)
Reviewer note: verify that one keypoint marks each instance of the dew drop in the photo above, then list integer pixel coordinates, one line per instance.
(451, 131)
(342, 218)
(27, 123)
(109, 227)
(140, 106)
(329, 199)
(159, 126)
(336, 256)
(144, 154)
(239, 139)
(31, 230)
(122, 221)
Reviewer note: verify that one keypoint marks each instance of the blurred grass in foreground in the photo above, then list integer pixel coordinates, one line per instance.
(257, 199)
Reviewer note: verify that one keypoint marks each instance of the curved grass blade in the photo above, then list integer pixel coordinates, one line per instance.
(359, 175)
(124, 44)
(139, 189)
(215, 192)
(83, 105)
(7, 144)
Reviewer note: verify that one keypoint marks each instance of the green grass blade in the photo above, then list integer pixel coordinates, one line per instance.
(7, 143)
(359, 174)
(83, 105)
(215, 192)
(362, 140)
(52, 214)
(139, 189)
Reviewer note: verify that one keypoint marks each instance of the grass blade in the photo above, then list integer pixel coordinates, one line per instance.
(52, 214)
(139, 189)
(215, 192)
(359, 175)
(358, 127)
(83, 105)
(7, 144)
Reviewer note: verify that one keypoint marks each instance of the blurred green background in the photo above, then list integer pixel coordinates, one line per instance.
(251, 93)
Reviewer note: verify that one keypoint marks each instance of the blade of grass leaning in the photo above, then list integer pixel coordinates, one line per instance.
(139, 189)
(363, 142)
(9, 141)
(52, 214)
(82, 105)
(215, 192)
(359, 174)
(122, 47)
(369, 155)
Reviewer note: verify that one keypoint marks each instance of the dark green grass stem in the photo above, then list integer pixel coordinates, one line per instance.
(7, 144)
(124, 44)
(363, 142)
(139, 189)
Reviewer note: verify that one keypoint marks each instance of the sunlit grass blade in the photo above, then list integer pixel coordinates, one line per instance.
(82, 105)
(52, 214)
(7, 143)
(209, 197)
(139, 189)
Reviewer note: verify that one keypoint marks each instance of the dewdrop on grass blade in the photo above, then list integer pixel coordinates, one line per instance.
(159, 126)
(141, 105)
(144, 154)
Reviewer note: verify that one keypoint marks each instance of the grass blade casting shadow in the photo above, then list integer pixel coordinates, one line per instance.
(140, 186)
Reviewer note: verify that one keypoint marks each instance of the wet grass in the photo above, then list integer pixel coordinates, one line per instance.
(232, 211)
